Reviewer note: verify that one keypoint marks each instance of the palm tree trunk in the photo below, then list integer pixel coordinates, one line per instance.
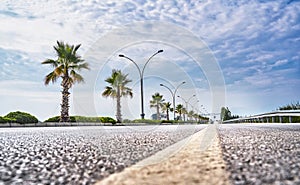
(118, 114)
(168, 114)
(157, 112)
(64, 114)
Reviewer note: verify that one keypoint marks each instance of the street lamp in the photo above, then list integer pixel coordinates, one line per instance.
(173, 94)
(205, 111)
(141, 73)
(187, 102)
(193, 106)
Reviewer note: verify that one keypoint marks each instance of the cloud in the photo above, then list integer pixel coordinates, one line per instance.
(255, 42)
(30, 97)
(280, 62)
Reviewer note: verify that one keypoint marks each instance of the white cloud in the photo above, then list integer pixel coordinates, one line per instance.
(249, 38)
(280, 62)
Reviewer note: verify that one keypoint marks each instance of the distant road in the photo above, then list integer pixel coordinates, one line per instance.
(80, 155)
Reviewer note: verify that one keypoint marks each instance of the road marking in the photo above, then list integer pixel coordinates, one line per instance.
(194, 160)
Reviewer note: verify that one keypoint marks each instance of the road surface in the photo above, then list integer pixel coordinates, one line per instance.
(80, 155)
(236, 154)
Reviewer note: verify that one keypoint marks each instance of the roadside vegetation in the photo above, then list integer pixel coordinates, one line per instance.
(117, 89)
(65, 66)
(84, 119)
(18, 117)
(157, 102)
(226, 114)
(291, 106)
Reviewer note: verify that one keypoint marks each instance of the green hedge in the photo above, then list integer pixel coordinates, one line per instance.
(57, 118)
(84, 119)
(87, 119)
(145, 121)
(108, 120)
(20, 117)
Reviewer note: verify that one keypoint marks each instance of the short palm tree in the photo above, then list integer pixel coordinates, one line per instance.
(157, 102)
(178, 109)
(191, 115)
(167, 107)
(117, 89)
(66, 67)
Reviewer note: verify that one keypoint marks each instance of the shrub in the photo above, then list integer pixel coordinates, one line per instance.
(127, 121)
(108, 120)
(168, 121)
(53, 119)
(145, 121)
(87, 119)
(6, 120)
(57, 118)
(21, 117)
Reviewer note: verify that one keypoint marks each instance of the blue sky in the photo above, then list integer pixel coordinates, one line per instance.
(255, 43)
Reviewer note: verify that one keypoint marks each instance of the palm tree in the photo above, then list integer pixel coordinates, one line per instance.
(167, 107)
(157, 102)
(65, 67)
(184, 113)
(191, 115)
(178, 109)
(117, 88)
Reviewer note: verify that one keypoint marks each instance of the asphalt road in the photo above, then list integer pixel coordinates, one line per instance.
(79, 155)
(254, 153)
(262, 153)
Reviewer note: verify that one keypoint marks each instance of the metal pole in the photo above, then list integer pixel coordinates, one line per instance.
(174, 107)
(142, 99)
(141, 73)
(187, 103)
(173, 96)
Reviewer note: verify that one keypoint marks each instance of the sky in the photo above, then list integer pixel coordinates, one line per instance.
(242, 54)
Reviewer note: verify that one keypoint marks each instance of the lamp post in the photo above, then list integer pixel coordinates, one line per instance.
(204, 110)
(187, 102)
(141, 73)
(195, 109)
(173, 95)
(193, 105)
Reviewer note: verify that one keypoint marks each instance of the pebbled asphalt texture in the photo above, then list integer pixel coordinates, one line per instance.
(262, 153)
(79, 155)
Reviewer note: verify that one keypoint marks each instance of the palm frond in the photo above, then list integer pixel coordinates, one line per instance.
(79, 66)
(59, 70)
(109, 91)
(67, 62)
(76, 77)
(118, 80)
(52, 62)
(76, 48)
(51, 77)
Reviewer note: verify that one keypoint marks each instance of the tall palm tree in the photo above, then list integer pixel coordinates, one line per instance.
(66, 65)
(178, 109)
(184, 113)
(117, 88)
(167, 107)
(157, 102)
